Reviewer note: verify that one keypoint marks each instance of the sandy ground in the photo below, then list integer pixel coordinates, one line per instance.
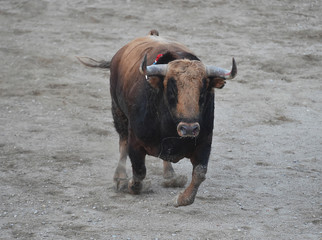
(58, 147)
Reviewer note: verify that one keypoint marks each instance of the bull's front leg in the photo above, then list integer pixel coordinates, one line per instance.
(188, 196)
(137, 156)
(199, 162)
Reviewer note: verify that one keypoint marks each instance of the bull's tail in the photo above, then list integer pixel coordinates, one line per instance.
(90, 62)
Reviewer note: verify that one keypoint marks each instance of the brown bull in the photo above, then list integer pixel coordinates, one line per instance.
(162, 105)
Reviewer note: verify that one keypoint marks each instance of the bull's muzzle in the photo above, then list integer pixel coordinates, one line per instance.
(188, 129)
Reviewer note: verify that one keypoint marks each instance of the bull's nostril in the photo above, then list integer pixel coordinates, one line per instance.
(195, 129)
(183, 129)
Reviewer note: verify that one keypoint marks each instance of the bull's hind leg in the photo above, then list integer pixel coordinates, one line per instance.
(171, 178)
(168, 171)
(121, 126)
(120, 176)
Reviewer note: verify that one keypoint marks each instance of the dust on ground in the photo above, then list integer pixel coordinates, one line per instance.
(58, 147)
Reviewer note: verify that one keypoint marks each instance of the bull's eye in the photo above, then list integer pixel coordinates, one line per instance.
(172, 100)
(203, 92)
(201, 98)
(172, 92)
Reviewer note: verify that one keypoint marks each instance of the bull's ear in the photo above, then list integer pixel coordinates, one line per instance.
(143, 66)
(217, 83)
(154, 74)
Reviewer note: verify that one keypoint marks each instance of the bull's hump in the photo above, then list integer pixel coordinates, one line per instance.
(136, 49)
(159, 39)
(154, 40)
(168, 44)
(164, 40)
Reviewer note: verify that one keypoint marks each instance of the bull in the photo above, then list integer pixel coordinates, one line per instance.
(163, 106)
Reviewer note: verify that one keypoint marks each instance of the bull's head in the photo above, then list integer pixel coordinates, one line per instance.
(185, 84)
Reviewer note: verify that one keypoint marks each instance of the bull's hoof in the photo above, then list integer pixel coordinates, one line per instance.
(121, 184)
(134, 187)
(182, 200)
(175, 182)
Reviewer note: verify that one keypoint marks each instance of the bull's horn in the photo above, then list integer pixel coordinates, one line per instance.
(157, 69)
(153, 70)
(213, 71)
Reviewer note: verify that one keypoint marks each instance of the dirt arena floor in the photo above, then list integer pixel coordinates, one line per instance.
(59, 149)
